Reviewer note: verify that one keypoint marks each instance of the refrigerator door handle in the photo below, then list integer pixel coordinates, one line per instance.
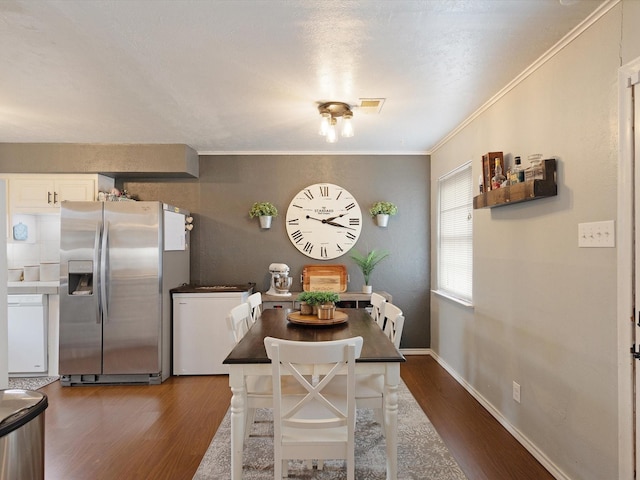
(96, 267)
(103, 272)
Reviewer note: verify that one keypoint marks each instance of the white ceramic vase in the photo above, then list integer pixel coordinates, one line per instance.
(367, 289)
(382, 219)
(265, 221)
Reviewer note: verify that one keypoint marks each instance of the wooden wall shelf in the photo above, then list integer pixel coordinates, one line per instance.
(521, 192)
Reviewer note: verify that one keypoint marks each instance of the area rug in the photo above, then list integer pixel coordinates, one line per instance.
(421, 452)
(30, 383)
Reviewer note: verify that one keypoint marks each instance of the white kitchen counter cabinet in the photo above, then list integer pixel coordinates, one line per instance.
(53, 315)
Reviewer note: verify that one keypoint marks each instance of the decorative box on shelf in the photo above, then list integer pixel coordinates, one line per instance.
(521, 192)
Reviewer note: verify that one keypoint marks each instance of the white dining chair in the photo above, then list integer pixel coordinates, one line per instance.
(255, 304)
(377, 308)
(259, 388)
(319, 424)
(238, 321)
(370, 388)
(394, 323)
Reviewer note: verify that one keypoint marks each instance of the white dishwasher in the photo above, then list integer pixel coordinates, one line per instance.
(27, 334)
(201, 340)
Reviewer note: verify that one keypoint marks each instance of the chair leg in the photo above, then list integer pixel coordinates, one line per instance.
(249, 419)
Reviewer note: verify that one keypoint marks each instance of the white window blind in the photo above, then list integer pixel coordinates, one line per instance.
(455, 233)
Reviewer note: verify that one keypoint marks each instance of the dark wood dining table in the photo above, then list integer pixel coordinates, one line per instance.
(249, 357)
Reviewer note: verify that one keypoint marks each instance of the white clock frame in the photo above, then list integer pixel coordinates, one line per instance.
(324, 221)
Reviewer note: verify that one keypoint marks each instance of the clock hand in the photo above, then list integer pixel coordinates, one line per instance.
(329, 222)
(338, 225)
(333, 218)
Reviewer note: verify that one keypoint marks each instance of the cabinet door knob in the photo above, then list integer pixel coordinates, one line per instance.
(55, 197)
(49, 197)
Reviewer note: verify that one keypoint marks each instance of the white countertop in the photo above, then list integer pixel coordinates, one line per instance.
(17, 288)
(33, 284)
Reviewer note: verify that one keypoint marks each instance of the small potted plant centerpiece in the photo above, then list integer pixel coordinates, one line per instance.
(265, 211)
(318, 303)
(367, 263)
(381, 211)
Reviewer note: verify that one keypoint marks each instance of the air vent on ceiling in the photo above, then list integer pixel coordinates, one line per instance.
(370, 105)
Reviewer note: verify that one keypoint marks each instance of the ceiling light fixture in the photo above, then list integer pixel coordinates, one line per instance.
(329, 113)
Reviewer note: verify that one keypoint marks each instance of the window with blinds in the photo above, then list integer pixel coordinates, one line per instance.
(455, 234)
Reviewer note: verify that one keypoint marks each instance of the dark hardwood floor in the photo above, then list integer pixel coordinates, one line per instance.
(162, 432)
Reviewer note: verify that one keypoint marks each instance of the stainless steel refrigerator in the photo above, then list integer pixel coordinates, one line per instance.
(118, 262)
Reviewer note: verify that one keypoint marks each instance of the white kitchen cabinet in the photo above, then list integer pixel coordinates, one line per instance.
(43, 193)
(201, 339)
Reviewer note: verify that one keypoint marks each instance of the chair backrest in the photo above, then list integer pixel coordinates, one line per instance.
(316, 409)
(394, 322)
(377, 312)
(238, 321)
(255, 304)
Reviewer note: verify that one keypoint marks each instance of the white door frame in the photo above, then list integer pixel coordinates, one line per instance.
(626, 269)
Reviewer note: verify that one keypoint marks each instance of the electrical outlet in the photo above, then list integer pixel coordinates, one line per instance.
(516, 392)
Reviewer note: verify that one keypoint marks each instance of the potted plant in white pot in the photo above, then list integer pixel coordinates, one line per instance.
(367, 262)
(265, 211)
(381, 212)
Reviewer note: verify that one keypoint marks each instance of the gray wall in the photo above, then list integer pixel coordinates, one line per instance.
(544, 311)
(229, 247)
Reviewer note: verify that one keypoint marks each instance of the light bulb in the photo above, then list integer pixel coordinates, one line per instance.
(347, 125)
(324, 123)
(332, 137)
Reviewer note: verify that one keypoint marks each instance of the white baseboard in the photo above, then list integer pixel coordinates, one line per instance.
(415, 351)
(524, 441)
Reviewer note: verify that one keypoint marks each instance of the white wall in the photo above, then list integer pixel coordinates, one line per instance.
(4, 358)
(545, 310)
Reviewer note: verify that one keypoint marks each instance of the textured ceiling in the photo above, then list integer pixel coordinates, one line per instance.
(246, 76)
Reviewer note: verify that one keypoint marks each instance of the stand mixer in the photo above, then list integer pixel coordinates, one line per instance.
(280, 280)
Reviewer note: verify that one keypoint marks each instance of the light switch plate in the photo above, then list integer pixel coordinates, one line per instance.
(597, 234)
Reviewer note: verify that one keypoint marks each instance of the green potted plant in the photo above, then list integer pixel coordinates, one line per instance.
(309, 301)
(381, 212)
(367, 262)
(265, 211)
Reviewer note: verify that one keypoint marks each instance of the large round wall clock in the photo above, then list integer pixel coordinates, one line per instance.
(323, 221)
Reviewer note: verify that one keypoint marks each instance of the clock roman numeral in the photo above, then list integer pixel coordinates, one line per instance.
(350, 206)
(323, 252)
(294, 221)
(351, 236)
(297, 206)
(308, 247)
(324, 190)
(308, 194)
(297, 236)
(339, 194)
(354, 221)
(339, 248)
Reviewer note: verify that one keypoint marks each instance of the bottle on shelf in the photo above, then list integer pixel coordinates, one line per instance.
(517, 172)
(498, 177)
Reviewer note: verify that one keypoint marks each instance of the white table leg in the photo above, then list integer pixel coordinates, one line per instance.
(392, 379)
(238, 413)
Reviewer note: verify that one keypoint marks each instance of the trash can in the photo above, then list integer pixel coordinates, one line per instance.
(22, 434)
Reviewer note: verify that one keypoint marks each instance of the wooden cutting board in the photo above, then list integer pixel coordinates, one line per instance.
(326, 278)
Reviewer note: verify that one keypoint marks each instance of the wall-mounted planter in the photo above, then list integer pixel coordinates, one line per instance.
(265, 221)
(382, 219)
